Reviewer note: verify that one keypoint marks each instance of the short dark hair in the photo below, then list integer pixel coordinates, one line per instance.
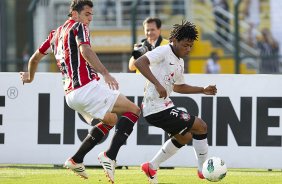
(153, 19)
(214, 55)
(78, 5)
(186, 30)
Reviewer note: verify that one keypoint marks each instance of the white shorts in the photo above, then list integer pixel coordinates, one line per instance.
(92, 101)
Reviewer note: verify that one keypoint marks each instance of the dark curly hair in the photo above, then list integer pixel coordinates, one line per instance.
(77, 5)
(186, 30)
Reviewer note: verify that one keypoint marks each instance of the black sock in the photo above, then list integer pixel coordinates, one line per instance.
(93, 138)
(200, 136)
(123, 130)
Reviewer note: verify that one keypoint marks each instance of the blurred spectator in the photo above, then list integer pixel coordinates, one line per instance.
(152, 31)
(109, 10)
(212, 66)
(269, 52)
(251, 14)
(222, 22)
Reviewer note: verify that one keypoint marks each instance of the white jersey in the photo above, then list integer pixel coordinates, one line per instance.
(169, 70)
(212, 67)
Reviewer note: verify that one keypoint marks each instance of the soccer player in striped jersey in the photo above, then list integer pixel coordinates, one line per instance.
(79, 65)
(164, 69)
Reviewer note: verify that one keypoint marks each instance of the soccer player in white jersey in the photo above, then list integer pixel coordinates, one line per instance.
(78, 64)
(164, 68)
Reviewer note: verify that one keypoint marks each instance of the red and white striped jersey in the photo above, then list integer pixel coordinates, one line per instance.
(64, 43)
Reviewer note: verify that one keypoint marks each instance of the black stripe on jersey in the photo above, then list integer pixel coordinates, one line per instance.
(74, 57)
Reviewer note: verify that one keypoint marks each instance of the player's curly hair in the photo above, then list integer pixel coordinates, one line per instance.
(77, 5)
(186, 30)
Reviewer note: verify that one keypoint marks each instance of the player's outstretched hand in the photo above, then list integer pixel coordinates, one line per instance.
(210, 90)
(25, 77)
(111, 81)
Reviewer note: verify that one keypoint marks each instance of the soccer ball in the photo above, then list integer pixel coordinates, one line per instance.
(214, 169)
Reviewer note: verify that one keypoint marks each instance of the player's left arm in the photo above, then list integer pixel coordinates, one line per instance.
(187, 89)
(91, 57)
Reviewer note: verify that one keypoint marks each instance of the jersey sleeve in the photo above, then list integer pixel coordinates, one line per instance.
(156, 56)
(82, 34)
(45, 47)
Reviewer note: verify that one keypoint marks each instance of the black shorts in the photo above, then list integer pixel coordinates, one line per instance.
(173, 121)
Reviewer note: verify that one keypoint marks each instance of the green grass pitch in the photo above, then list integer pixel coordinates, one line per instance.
(48, 174)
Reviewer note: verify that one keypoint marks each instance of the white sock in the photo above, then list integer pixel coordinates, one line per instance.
(168, 149)
(201, 151)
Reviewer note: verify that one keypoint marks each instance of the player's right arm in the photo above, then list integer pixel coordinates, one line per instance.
(27, 77)
(83, 41)
(44, 49)
(142, 64)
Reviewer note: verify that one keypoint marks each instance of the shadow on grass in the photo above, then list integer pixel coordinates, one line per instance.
(35, 166)
(32, 166)
(256, 171)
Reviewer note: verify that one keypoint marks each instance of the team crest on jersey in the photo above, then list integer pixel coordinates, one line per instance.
(185, 116)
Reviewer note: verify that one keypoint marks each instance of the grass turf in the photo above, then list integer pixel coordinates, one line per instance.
(48, 174)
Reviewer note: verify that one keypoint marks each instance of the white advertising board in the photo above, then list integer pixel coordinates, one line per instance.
(244, 121)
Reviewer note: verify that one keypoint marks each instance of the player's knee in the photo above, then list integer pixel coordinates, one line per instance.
(135, 109)
(199, 127)
(113, 119)
(110, 119)
(132, 107)
(204, 126)
(129, 106)
(183, 139)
